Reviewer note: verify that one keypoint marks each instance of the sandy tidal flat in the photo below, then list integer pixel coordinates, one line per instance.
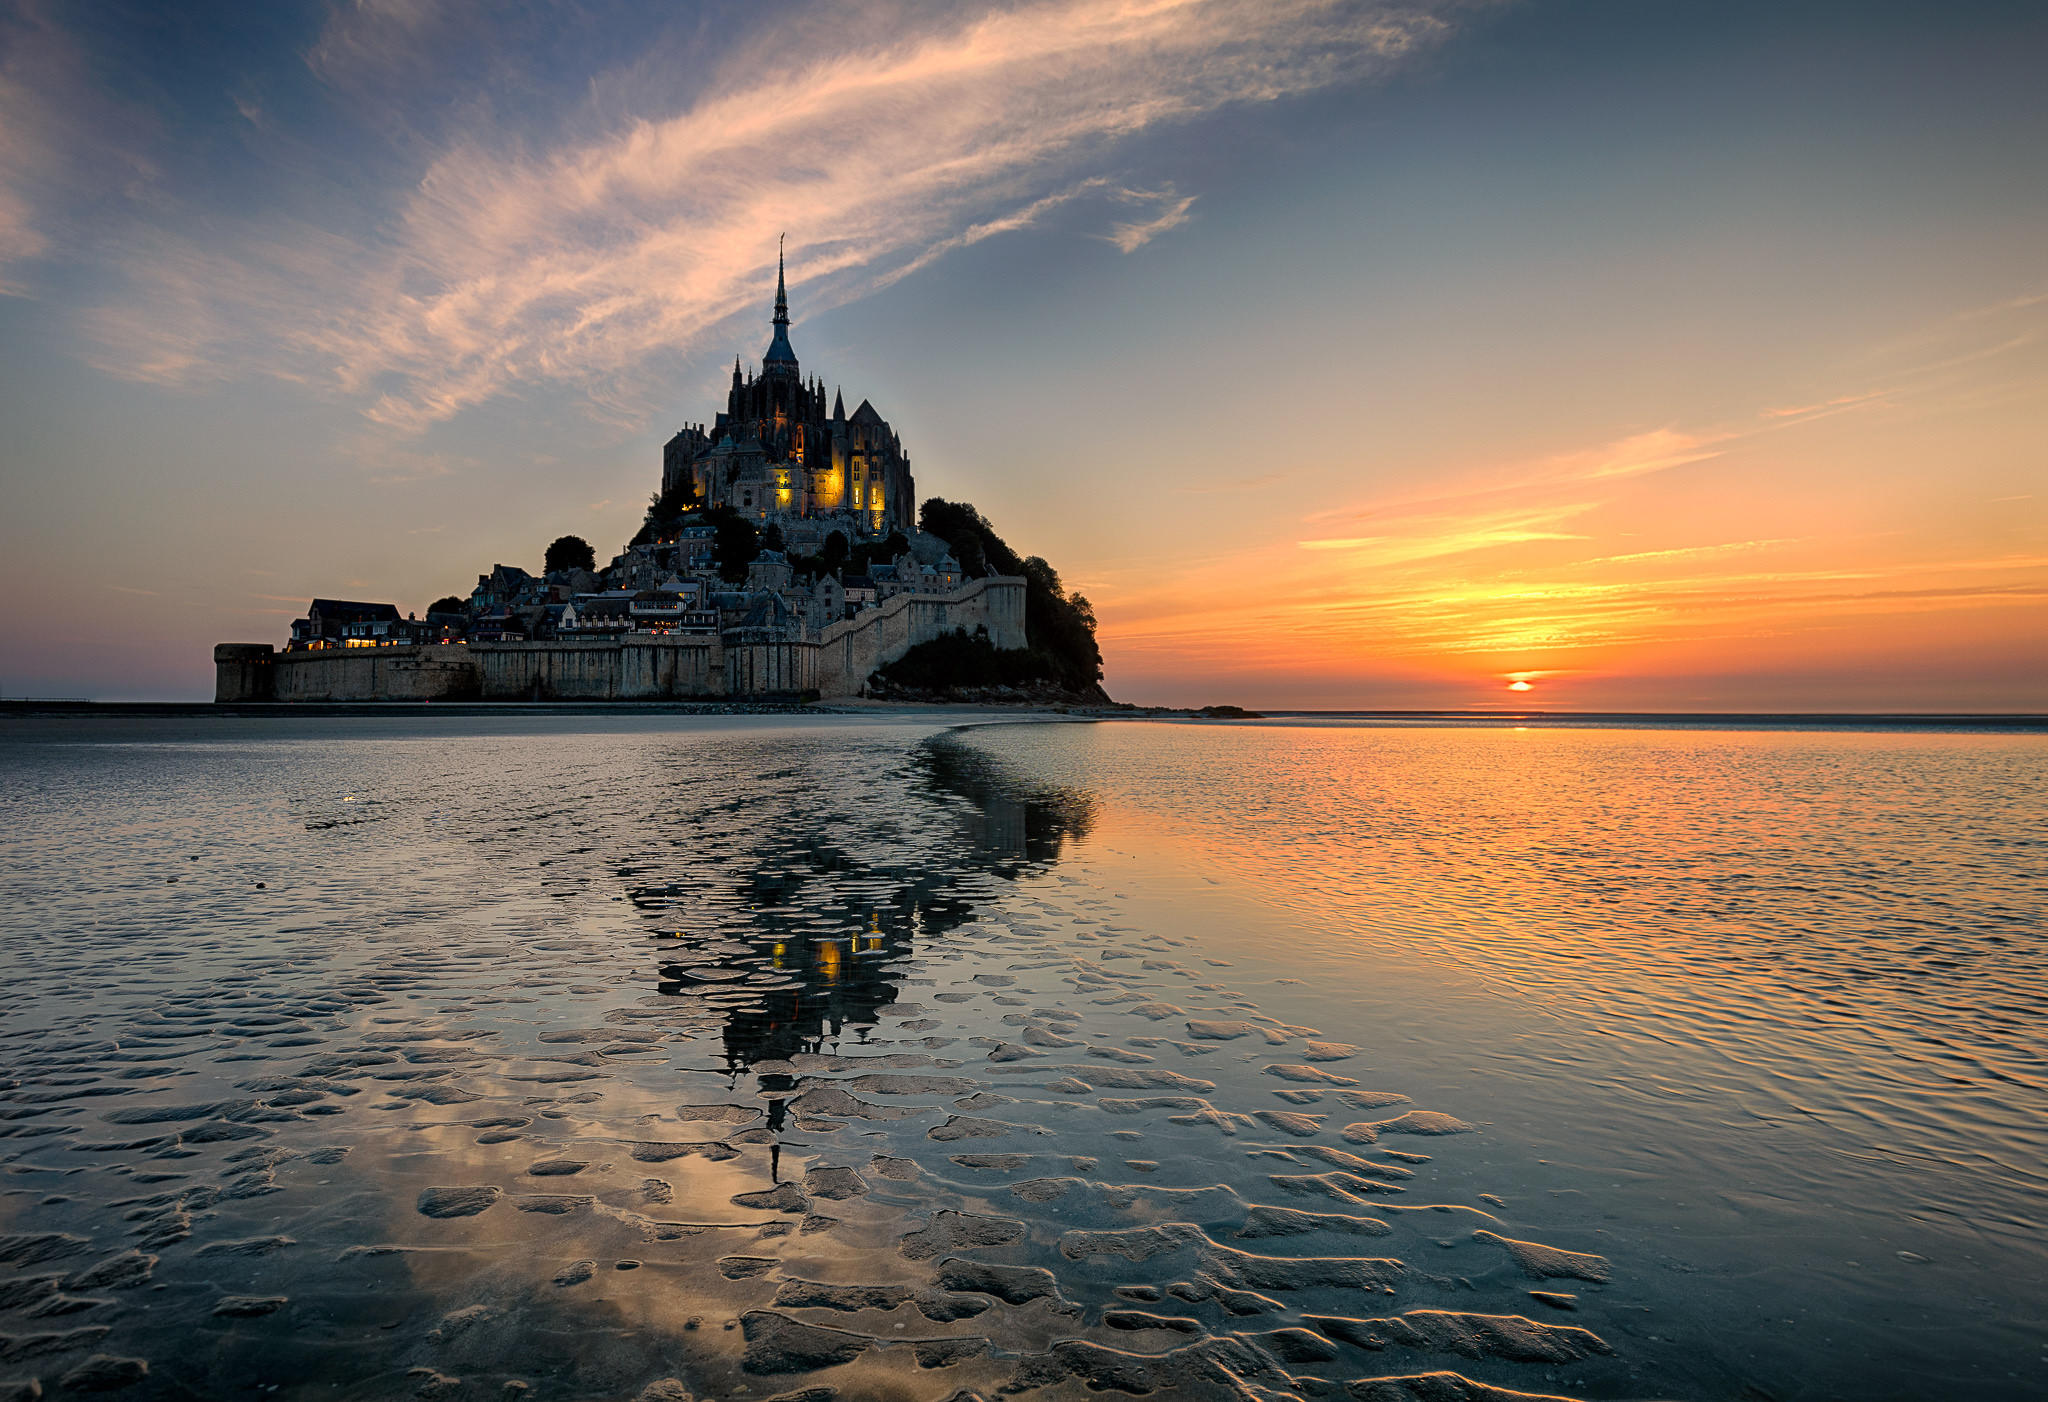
(756, 1058)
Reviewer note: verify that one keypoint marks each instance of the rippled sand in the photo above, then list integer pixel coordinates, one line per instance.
(739, 1059)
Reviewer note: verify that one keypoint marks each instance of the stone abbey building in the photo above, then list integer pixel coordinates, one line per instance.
(663, 621)
(778, 452)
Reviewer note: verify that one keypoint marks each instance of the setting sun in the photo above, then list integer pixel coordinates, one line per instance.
(1518, 686)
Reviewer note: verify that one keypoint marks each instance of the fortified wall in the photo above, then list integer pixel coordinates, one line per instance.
(638, 667)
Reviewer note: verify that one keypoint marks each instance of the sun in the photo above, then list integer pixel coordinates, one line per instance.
(1519, 686)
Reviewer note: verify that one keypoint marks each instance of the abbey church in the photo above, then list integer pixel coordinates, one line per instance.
(778, 453)
(837, 583)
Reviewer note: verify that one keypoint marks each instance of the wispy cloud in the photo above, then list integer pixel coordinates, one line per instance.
(1839, 404)
(63, 142)
(1411, 536)
(28, 46)
(367, 41)
(1656, 451)
(1689, 552)
(511, 263)
(1542, 480)
(1131, 237)
(1480, 572)
(1022, 217)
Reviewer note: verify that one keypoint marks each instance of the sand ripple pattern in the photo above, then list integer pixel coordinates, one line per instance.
(667, 1062)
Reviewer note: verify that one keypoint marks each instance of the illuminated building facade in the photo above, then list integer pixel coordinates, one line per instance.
(779, 451)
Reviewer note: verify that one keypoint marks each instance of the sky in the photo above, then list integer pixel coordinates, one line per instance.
(1427, 353)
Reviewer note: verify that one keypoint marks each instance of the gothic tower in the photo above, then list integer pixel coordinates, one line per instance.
(778, 452)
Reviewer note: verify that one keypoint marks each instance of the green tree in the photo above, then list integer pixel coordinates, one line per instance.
(448, 603)
(969, 537)
(735, 545)
(570, 552)
(667, 512)
(961, 659)
(1059, 628)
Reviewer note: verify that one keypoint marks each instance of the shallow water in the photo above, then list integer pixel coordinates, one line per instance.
(599, 1057)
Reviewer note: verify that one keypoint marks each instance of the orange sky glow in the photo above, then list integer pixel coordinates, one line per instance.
(1871, 541)
(1346, 354)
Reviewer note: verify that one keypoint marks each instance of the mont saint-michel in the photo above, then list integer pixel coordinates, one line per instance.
(664, 907)
(784, 555)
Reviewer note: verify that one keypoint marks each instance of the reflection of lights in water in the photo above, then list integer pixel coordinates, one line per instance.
(824, 983)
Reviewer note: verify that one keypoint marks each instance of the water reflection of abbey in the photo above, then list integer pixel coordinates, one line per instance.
(820, 952)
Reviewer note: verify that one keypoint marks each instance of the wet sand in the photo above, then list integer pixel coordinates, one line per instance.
(719, 1058)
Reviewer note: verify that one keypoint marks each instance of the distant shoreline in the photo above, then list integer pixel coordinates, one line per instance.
(1704, 720)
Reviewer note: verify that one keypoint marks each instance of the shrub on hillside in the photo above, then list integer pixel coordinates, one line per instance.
(1059, 626)
(959, 660)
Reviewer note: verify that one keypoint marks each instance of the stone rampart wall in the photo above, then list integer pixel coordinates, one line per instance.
(636, 668)
(244, 672)
(848, 651)
(432, 673)
(652, 667)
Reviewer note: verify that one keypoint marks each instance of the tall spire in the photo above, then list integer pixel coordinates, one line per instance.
(781, 295)
(779, 352)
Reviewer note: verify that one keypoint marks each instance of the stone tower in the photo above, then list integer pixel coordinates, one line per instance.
(778, 452)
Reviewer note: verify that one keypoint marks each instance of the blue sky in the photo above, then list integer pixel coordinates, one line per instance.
(1345, 354)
